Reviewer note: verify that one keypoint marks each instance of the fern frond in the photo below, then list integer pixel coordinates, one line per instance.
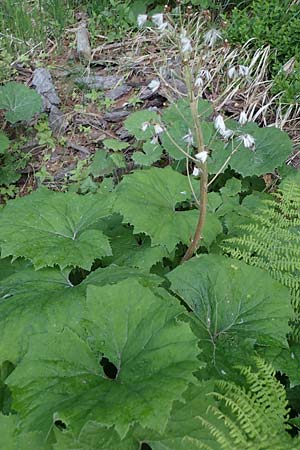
(272, 242)
(253, 416)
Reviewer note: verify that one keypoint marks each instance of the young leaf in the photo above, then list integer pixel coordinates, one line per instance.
(136, 124)
(55, 228)
(104, 164)
(234, 306)
(148, 201)
(126, 363)
(115, 145)
(151, 153)
(19, 101)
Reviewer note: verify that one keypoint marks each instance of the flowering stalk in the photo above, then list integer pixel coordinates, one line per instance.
(202, 162)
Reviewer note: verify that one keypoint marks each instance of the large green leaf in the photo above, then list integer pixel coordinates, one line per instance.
(234, 306)
(136, 121)
(285, 360)
(35, 301)
(20, 102)
(128, 249)
(272, 148)
(9, 267)
(151, 153)
(178, 122)
(94, 436)
(148, 199)
(11, 440)
(153, 353)
(32, 302)
(184, 430)
(113, 274)
(55, 228)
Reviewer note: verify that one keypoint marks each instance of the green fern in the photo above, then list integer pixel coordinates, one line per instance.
(272, 241)
(255, 414)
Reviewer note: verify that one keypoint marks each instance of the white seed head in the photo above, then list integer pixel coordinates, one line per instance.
(227, 133)
(202, 156)
(158, 128)
(199, 82)
(232, 72)
(248, 140)
(141, 19)
(154, 85)
(154, 140)
(205, 74)
(158, 19)
(211, 37)
(185, 42)
(219, 124)
(163, 26)
(188, 138)
(243, 118)
(144, 126)
(243, 71)
(196, 172)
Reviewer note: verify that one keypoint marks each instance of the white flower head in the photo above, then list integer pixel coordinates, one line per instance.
(154, 140)
(248, 140)
(188, 138)
(232, 72)
(227, 133)
(243, 118)
(185, 42)
(196, 172)
(144, 126)
(158, 19)
(205, 74)
(211, 37)
(158, 129)
(154, 85)
(202, 156)
(163, 26)
(243, 71)
(141, 19)
(199, 82)
(219, 124)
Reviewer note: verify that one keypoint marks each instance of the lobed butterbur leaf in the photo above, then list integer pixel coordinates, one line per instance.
(19, 101)
(153, 353)
(156, 194)
(234, 306)
(55, 228)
